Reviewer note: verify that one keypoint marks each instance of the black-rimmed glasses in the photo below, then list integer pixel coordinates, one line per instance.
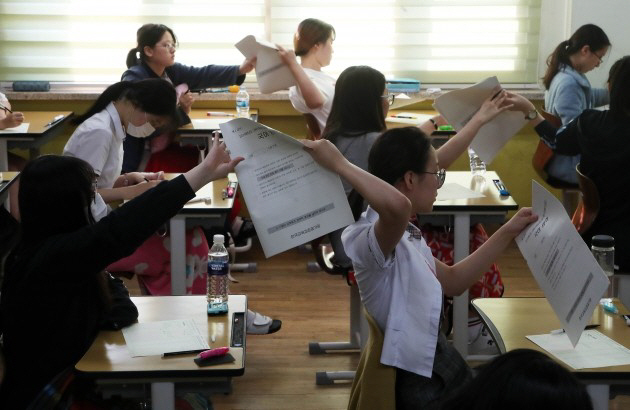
(440, 176)
(390, 98)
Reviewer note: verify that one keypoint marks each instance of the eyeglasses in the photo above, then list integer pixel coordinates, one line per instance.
(169, 46)
(601, 59)
(390, 98)
(440, 176)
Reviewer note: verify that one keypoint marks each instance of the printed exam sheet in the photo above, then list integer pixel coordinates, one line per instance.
(291, 199)
(561, 263)
(271, 72)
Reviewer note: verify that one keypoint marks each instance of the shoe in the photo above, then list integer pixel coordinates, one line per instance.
(483, 344)
(247, 230)
(258, 324)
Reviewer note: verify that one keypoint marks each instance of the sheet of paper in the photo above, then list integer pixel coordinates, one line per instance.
(408, 118)
(561, 263)
(593, 350)
(291, 199)
(155, 338)
(452, 191)
(209, 123)
(401, 102)
(271, 73)
(459, 106)
(20, 129)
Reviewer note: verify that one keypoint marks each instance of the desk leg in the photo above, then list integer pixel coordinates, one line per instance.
(163, 396)
(178, 255)
(600, 394)
(4, 156)
(460, 303)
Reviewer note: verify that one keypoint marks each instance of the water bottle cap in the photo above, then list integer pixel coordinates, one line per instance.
(603, 241)
(218, 238)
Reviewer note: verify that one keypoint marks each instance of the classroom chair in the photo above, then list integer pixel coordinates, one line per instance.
(358, 325)
(374, 385)
(312, 127)
(540, 160)
(588, 206)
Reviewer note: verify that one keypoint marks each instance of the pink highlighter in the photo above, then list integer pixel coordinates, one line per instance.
(218, 351)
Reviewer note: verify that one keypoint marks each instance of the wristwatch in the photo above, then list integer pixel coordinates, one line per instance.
(531, 115)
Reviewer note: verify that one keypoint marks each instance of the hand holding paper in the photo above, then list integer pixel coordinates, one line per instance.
(272, 73)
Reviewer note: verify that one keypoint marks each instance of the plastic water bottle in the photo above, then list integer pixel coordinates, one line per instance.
(477, 166)
(242, 103)
(217, 282)
(603, 249)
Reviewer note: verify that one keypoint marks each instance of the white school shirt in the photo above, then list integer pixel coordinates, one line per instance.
(401, 292)
(99, 142)
(326, 85)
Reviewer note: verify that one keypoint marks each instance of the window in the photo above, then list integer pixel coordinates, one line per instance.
(434, 41)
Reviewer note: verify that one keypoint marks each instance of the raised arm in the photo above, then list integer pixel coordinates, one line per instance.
(459, 277)
(311, 94)
(457, 144)
(391, 205)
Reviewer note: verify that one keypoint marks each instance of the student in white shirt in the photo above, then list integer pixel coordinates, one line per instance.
(400, 282)
(315, 89)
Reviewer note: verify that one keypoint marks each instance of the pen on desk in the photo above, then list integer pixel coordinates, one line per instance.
(559, 331)
(500, 187)
(55, 120)
(219, 114)
(2, 107)
(403, 116)
(195, 351)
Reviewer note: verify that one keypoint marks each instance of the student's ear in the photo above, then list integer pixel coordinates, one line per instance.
(148, 51)
(408, 179)
(585, 50)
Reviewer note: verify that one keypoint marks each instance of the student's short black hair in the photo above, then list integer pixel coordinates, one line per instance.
(619, 83)
(54, 196)
(397, 151)
(522, 379)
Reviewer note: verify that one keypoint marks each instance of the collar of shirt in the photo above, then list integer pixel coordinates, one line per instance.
(119, 132)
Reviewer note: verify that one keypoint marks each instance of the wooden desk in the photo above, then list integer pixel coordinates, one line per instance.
(422, 116)
(37, 135)
(218, 210)
(109, 362)
(201, 136)
(7, 178)
(460, 214)
(511, 319)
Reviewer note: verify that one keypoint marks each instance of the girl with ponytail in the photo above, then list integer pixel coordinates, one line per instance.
(569, 91)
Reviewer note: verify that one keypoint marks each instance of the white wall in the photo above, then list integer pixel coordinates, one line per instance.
(560, 18)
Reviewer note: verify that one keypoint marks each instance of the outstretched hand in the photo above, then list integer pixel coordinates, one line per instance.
(218, 161)
(523, 218)
(324, 153)
(519, 103)
(288, 56)
(248, 65)
(493, 106)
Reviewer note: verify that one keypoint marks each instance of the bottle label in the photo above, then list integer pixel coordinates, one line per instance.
(242, 104)
(218, 268)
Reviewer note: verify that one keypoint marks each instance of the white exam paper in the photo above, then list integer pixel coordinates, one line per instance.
(209, 123)
(271, 72)
(593, 350)
(452, 191)
(156, 338)
(459, 106)
(561, 263)
(20, 129)
(291, 199)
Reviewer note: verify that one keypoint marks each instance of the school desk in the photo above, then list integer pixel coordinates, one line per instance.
(511, 319)
(460, 214)
(38, 133)
(216, 209)
(200, 135)
(109, 362)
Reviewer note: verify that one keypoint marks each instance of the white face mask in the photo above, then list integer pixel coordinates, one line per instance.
(142, 131)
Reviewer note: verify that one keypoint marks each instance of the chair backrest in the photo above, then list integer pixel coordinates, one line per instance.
(312, 126)
(543, 155)
(374, 384)
(588, 207)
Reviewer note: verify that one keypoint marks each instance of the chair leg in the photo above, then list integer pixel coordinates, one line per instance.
(359, 332)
